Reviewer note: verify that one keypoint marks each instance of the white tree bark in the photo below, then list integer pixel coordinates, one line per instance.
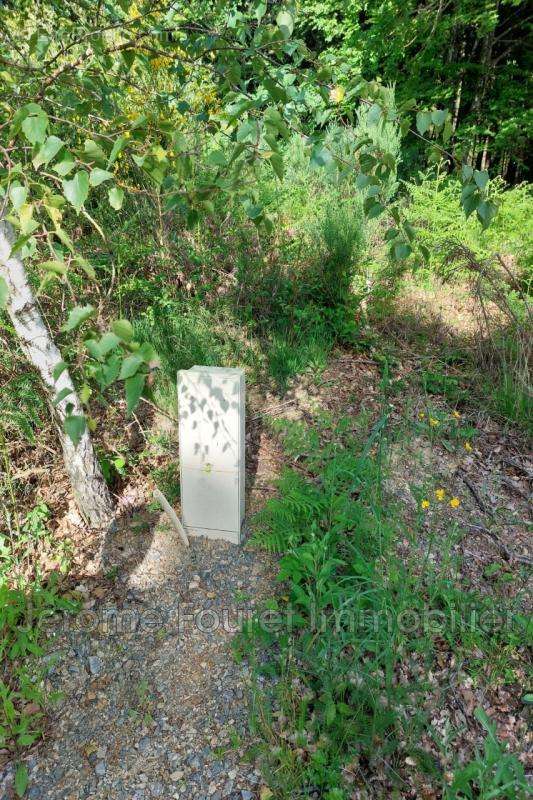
(88, 485)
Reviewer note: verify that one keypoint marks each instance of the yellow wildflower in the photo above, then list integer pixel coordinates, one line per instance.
(456, 415)
(433, 422)
(455, 502)
(421, 415)
(336, 94)
(468, 447)
(425, 504)
(440, 494)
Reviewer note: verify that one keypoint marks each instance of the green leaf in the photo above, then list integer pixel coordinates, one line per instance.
(123, 329)
(375, 211)
(492, 569)
(47, 151)
(260, 9)
(423, 121)
(93, 347)
(26, 739)
(134, 388)
(467, 171)
(410, 231)
(481, 178)
(438, 118)
(84, 264)
(253, 211)
(528, 699)
(4, 293)
(401, 250)
(34, 128)
(130, 365)
(107, 343)
(21, 780)
(470, 203)
(61, 395)
(372, 208)
(277, 164)
(77, 317)
(247, 130)
(119, 145)
(362, 181)
(77, 189)
(75, 427)
(39, 44)
(128, 56)
(65, 166)
(116, 198)
(486, 211)
(98, 176)
(149, 355)
(55, 266)
(217, 158)
(367, 162)
(18, 195)
(483, 719)
(58, 370)
(94, 152)
(285, 22)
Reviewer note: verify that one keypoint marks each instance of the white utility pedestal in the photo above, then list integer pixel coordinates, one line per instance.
(211, 408)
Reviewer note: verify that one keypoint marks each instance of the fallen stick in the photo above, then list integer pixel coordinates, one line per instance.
(167, 508)
(507, 553)
(520, 467)
(274, 408)
(516, 489)
(473, 492)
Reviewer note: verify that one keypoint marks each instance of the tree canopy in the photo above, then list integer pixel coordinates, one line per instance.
(470, 56)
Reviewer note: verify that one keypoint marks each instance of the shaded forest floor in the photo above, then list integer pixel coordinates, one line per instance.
(160, 709)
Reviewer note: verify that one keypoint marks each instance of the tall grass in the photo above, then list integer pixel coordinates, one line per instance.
(505, 331)
(496, 267)
(342, 658)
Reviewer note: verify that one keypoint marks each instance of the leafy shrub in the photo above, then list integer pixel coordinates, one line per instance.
(23, 611)
(25, 606)
(433, 209)
(330, 676)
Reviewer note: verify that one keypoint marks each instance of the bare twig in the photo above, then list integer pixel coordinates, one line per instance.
(270, 409)
(518, 466)
(514, 488)
(159, 410)
(508, 554)
(171, 514)
(473, 491)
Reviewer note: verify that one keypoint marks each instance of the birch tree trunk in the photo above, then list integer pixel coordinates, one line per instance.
(88, 485)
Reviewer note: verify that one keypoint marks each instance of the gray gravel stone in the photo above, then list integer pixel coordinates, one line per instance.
(101, 768)
(96, 665)
(146, 707)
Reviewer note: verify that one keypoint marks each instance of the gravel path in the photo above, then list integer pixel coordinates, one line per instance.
(154, 704)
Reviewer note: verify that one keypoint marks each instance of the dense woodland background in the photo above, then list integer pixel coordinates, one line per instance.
(473, 58)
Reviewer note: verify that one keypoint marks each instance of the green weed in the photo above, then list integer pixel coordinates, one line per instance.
(341, 662)
(26, 605)
(494, 772)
